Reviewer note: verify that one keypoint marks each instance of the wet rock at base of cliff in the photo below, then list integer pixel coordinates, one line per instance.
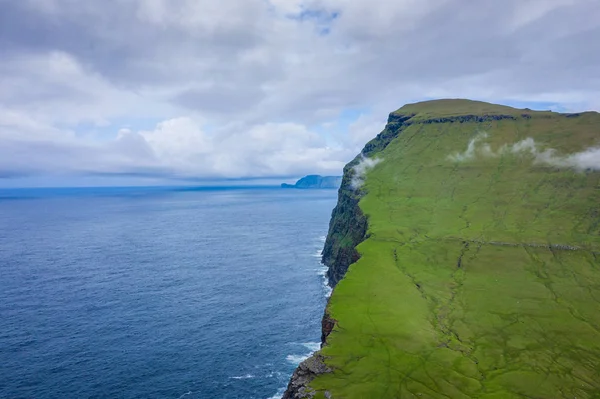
(307, 370)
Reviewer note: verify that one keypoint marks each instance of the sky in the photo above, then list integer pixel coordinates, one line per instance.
(119, 92)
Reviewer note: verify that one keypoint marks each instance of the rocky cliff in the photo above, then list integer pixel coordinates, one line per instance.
(481, 246)
(347, 229)
(348, 225)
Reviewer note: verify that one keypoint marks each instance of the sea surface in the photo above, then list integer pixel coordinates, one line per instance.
(159, 292)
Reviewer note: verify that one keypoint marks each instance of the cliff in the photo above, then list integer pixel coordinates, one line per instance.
(347, 229)
(315, 181)
(475, 274)
(348, 225)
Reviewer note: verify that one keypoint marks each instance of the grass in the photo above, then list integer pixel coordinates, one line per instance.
(464, 288)
(456, 107)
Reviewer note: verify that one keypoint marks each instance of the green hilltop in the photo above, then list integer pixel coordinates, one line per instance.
(479, 274)
(453, 107)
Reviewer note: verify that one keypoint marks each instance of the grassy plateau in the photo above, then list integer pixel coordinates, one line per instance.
(480, 276)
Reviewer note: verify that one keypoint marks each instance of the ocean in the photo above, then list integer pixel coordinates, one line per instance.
(159, 292)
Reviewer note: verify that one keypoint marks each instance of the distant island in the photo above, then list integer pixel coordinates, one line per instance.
(316, 181)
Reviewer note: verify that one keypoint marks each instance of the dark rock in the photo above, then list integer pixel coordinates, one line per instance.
(307, 370)
(327, 325)
(465, 118)
(347, 229)
(348, 225)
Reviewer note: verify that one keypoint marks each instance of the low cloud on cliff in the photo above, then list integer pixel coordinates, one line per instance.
(472, 149)
(360, 169)
(583, 160)
(586, 159)
(224, 84)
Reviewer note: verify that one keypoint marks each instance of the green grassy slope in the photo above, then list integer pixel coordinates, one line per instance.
(479, 278)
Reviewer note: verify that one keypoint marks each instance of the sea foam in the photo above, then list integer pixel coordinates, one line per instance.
(242, 377)
(322, 271)
(296, 359)
(312, 346)
(278, 395)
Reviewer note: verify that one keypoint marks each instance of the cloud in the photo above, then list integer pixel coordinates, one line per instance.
(471, 150)
(522, 49)
(74, 73)
(360, 170)
(588, 159)
(260, 150)
(175, 148)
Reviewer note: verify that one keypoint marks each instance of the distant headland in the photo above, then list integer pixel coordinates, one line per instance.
(316, 181)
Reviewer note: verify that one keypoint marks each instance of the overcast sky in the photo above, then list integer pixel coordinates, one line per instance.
(158, 90)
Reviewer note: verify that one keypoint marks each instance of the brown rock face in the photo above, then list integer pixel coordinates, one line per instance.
(327, 324)
(304, 374)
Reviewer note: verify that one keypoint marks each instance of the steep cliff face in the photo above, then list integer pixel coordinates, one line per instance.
(348, 225)
(347, 229)
(476, 262)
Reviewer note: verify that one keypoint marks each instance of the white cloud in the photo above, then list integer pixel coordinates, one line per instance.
(471, 152)
(239, 73)
(54, 87)
(260, 150)
(176, 148)
(586, 159)
(360, 170)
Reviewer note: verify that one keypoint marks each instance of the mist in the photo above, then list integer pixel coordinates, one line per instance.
(583, 160)
(360, 170)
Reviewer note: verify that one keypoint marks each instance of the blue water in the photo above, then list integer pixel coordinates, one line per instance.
(158, 293)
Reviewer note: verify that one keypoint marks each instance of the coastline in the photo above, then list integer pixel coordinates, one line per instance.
(450, 255)
(348, 227)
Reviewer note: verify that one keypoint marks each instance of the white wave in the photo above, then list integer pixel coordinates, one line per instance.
(323, 273)
(297, 359)
(242, 377)
(326, 287)
(312, 346)
(274, 374)
(278, 395)
(318, 254)
(322, 238)
(185, 394)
